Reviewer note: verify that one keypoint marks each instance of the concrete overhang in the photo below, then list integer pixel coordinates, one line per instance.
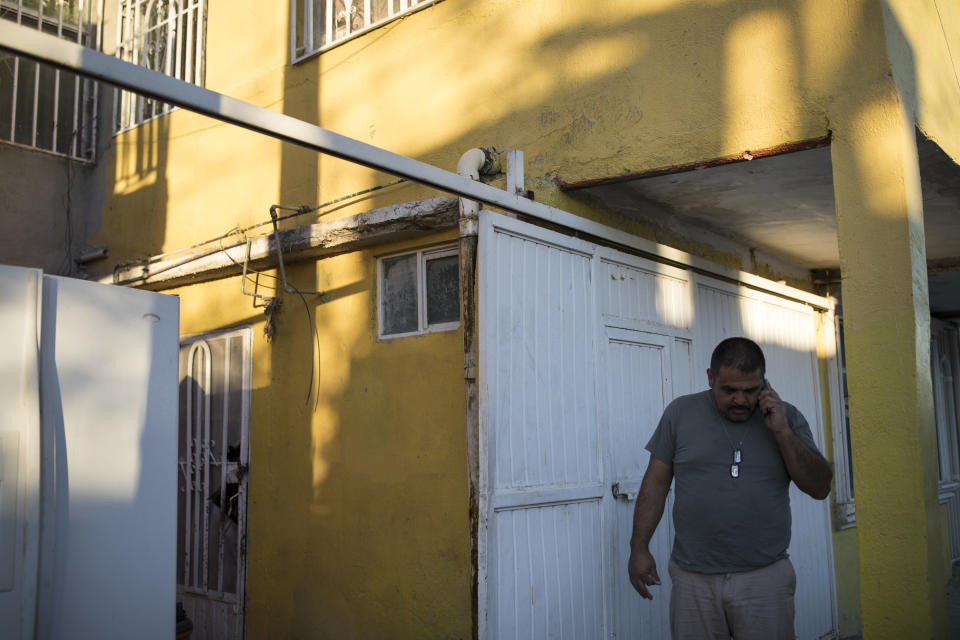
(778, 210)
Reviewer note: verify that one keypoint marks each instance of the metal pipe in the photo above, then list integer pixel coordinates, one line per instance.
(470, 166)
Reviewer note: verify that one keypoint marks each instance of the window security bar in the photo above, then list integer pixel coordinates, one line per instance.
(166, 36)
(42, 107)
(214, 422)
(321, 24)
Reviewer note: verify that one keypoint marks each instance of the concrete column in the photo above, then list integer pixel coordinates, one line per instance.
(901, 528)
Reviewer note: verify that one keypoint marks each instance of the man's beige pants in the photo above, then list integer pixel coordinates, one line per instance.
(752, 605)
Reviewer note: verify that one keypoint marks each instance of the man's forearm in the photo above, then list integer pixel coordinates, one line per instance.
(808, 469)
(647, 514)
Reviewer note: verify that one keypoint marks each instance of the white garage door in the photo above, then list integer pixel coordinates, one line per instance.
(581, 348)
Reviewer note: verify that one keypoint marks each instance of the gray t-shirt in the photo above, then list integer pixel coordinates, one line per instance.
(725, 524)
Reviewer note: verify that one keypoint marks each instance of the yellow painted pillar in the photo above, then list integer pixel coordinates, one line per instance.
(901, 528)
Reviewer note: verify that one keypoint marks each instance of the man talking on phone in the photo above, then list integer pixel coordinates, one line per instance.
(733, 451)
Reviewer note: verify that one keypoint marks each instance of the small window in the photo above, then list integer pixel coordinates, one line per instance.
(162, 35)
(321, 24)
(419, 292)
(40, 106)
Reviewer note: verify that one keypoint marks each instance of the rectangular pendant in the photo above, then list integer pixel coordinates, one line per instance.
(736, 456)
(734, 471)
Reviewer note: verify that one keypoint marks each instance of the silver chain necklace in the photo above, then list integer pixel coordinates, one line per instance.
(737, 450)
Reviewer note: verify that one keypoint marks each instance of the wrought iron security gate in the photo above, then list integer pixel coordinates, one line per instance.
(212, 478)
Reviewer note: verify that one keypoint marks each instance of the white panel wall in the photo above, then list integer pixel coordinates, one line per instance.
(545, 527)
(19, 450)
(654, 294)
(541, 350)
(109, 393)
(550, 583)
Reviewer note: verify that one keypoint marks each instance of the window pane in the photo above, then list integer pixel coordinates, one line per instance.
(378, 10)
(65, 111)
(443, 290)
(7, 63)
(45, 106)
(399, 305)
(26, 80)
(319, 26)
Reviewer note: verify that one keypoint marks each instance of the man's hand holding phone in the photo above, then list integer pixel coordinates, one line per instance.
(771, 408)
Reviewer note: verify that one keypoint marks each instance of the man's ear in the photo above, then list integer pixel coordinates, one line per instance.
(710, 378)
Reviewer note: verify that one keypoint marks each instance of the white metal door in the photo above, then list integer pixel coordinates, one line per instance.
(108, 392)
(544, 537)
(19, 449)
(212, 478)
(639, 383)
(581, 347)
(87, 515)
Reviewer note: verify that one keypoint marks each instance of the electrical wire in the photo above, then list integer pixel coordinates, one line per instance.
(297, 211)
(315, 337)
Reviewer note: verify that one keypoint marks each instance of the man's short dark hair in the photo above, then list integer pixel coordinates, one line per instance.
(740, 354)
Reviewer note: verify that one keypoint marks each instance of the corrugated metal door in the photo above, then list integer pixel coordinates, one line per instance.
(581, 347)
(545, 535)
(644, 312)
(787, 332)
(639, 385)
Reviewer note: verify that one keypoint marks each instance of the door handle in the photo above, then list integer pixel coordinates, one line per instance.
(625, 490)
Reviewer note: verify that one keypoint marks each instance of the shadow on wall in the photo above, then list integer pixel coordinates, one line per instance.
(640, 83)
(135, 219)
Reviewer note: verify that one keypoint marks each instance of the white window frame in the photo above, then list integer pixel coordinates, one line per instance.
(314, 43)
(944, 345)
(187, 63)
(82, 120)
(945, 360)
(423, 255)
(844, 509)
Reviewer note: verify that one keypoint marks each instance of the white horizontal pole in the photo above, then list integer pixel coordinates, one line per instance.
(83, 60)
(67, 55)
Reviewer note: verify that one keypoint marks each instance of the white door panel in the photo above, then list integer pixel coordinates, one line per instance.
(550, 582)
(19, 449)
(639, 383)
(86, 446)
(545, 473)
(110, 402)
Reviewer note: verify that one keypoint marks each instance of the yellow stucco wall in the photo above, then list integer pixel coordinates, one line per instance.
(358, 505)
(900, 525)
(923, 39)
(587, 90)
